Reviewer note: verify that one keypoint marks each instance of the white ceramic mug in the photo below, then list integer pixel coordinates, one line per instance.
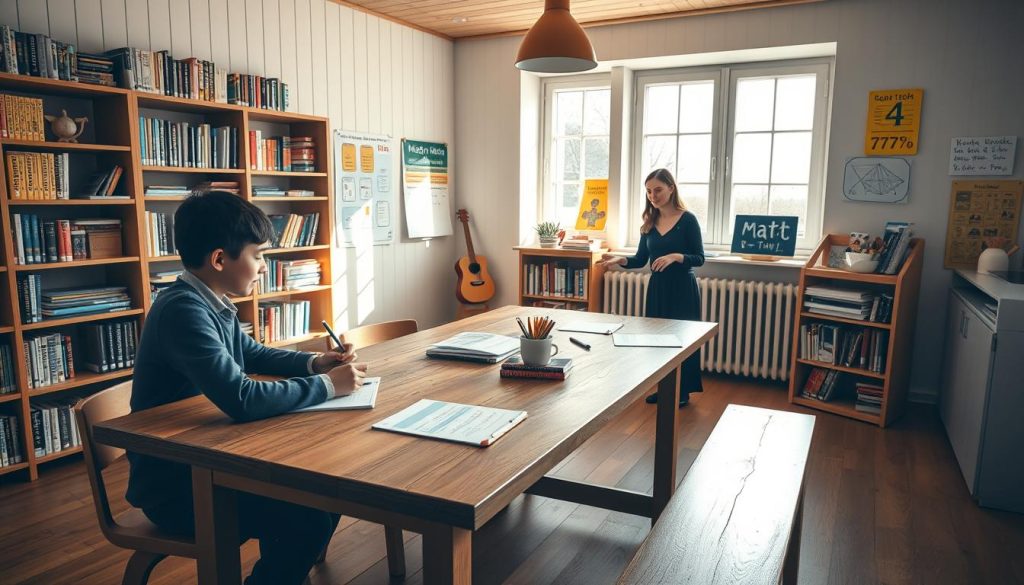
(536, 352)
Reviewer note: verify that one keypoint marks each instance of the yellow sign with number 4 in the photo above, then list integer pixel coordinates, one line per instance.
(894, 121)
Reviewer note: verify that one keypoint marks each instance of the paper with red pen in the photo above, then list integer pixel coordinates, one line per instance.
(449, 421)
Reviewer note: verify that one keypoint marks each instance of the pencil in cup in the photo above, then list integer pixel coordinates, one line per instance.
(539, 327)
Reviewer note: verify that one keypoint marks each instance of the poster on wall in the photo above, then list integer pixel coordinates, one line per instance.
(982, 155)
(593, 205)
(982, 214)
(364, 194)
(894, 122)
(877, 179)
(425, 187)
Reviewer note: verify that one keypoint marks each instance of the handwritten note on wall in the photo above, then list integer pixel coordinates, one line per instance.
(982, 155)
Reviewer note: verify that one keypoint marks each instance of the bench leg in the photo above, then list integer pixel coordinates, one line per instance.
(666, 439)
(792, 562)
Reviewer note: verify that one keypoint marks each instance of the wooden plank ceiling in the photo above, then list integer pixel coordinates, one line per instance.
(468, 18)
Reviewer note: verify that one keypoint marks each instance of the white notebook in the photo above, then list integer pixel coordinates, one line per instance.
(362, 398)
(463, 423)
(645, 340)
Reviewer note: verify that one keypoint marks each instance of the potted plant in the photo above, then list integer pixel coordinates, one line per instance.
(547, 231)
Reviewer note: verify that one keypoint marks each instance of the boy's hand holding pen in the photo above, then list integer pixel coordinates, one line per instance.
(337, 364)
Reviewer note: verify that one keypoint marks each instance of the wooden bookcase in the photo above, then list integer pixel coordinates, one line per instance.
(578, 259)
(895, 376)
(112, 137)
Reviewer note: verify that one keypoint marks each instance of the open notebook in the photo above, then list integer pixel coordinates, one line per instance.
(463, 423)
(362, 398)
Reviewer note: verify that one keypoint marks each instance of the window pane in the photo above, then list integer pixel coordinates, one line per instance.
(694, 158)
(569, 204)
(752, 155)
(568, 112)
(567, 159)
(596, 153)
(659, 152)
(597, 104)
(791, 157)
(748, 199)
(695, 198)
(790, 200)
(755, 99)
(661, 109)
(794, 106)
(696, 106)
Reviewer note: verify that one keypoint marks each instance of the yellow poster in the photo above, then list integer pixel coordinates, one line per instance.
(593, 205)
(894, 121)
(981, 214)
(348, 157)
(365, 158)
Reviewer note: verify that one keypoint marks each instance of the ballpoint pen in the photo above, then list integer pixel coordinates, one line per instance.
(579, 343)
(331, 333)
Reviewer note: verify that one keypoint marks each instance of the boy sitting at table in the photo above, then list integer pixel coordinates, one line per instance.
(192, 343)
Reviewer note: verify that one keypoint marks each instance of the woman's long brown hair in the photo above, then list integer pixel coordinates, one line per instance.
(652, 213)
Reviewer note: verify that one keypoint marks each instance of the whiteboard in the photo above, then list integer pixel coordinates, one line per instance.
(425, 182)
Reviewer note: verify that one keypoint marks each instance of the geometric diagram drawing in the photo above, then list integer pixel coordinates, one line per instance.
(877, 179)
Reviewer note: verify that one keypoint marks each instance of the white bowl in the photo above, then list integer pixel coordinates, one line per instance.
(859, 262)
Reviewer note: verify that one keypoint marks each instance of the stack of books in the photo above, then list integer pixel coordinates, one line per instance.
(303, 154)
(111, 345)
(896, 246)
(38, 175)
(21, 118)
(168, 190)
(184, 144)
(582, 242)
(557, 369)
(474, 346)
(102, 185)
(837, 301)
(289, 275)
(863, 348)
(53, 426)
(228, 186)
(49, 358)
(68, 302)
(293, 230)
(268, 191)
(160, 236)
(556, 279)
(821, 384)
(257, 92)
(8, 381)
(37, 55)
(283, 321)
(159, 281)
(869, 398)
(10, 441)
(96, 69)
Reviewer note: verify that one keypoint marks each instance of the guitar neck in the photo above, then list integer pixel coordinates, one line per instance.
(469, 242)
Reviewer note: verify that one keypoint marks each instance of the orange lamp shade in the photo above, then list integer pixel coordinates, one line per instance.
(556, 43)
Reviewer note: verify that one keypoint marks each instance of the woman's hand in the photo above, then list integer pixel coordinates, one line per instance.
(611, 260)
(662, 263)
(325, 362)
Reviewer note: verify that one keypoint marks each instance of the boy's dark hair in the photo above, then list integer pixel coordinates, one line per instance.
(218, 219)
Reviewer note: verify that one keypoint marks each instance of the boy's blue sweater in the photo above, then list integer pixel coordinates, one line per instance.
(189, 348)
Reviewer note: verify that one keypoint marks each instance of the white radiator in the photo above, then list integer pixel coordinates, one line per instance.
(754, 319)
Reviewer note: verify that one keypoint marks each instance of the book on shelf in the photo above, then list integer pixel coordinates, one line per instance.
(282, 275)
(853, 347)
(102, 185)
(40, 241)
(110, 345)
(38, 175)
(556, 279)
(869, 397)
(53, 426)
(822, 384)
(37, 55)
(896, 246)
(96, 69)
(583, 242)
(162, 280)
(21, 117)
(37, 304)
(280, 321)
(160, 73)
(257, 92)
(556, 369)
(10, 441)
(160, 234)
(281, 153)
(8, 379)
(49, 359)
(293, 230)
(172, 143)
(848, 303)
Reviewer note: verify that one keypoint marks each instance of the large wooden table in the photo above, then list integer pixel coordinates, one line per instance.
(444, 491)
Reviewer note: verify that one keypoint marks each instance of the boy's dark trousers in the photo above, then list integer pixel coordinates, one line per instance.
(291, 536)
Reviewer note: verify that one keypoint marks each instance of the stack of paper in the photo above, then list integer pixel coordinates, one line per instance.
(482, 347)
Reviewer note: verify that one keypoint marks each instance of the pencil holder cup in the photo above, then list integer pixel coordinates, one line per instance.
(536, 352)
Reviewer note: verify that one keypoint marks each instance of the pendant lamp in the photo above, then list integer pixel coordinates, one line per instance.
(556, 43)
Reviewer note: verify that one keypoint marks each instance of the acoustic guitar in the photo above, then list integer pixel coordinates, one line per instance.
(475, 283)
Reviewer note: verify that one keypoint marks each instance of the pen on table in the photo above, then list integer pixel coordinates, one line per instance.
(579, 343)
(331, 333)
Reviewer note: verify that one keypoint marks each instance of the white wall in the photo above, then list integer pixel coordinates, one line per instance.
(964, 53)
(365, 73)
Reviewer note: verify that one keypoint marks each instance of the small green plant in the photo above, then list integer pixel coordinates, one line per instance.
(547, 229)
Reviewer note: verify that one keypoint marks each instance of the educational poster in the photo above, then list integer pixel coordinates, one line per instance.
(593, 205)
(877, 179)
(982, 155)
(428, 212)
(981, 214)
(894, 121)
(364, 194)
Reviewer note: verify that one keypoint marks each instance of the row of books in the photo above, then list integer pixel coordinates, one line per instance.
(186, 190)
(183, 144)
(869, 397)
(821, 384)
(556, 279)
(160, 235)
(41, 241)
(257, 91)
(281, 153)
(8, 379)
(37, 304)
(110, 345)
(896, 246)
(280, 321)
(49, 358)
(848, 303)
(37, 55)
(160, 73)
(10, 441)
(289, 275)
(21, 117)
(275, 191)
(293, 230)
(852, 347)
(53, 426)
(556, 369)
(38, 175)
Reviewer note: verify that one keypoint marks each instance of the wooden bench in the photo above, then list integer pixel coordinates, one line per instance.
(736, 516)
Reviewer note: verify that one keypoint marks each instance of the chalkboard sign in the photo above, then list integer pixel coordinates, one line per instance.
(768, 235)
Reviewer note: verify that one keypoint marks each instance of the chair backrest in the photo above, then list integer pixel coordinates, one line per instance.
(104, 405)
(379, 332)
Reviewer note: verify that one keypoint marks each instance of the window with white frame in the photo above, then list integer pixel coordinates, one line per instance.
(746, 139)
(576, 144)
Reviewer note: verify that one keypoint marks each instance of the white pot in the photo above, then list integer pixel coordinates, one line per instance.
(993, 260)
(548, 242)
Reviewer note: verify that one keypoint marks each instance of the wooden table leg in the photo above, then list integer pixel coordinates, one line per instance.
(665, 442)
(447, 556)
(216, 511)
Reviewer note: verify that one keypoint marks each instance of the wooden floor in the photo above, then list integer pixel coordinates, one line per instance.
(880, 507)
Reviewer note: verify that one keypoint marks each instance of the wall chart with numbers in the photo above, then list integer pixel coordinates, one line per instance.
(364, 189)
(894, 121)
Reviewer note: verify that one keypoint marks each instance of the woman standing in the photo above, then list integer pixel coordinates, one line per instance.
(670, 238)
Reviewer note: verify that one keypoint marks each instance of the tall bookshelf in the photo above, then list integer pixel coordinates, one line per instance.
(113, 137)
(894, 375)
(543, 293)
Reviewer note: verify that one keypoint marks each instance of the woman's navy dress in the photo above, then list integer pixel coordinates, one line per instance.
(673, 292)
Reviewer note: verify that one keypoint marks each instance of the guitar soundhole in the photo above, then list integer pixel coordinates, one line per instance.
(477, 283)
(474, 267)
